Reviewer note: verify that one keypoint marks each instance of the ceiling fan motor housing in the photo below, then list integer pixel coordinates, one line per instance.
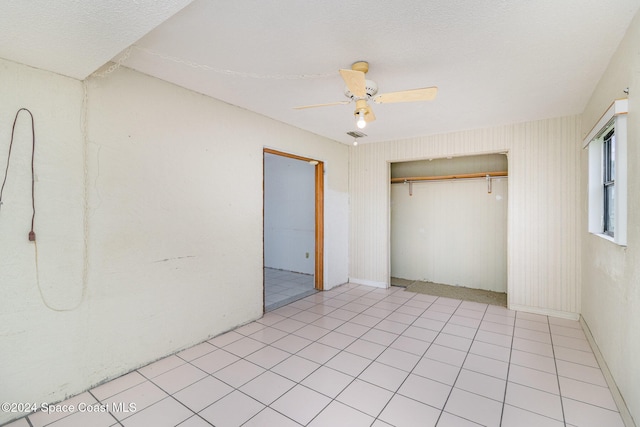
(371, 89)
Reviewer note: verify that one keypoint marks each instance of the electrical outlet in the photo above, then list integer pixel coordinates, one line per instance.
(306, 254)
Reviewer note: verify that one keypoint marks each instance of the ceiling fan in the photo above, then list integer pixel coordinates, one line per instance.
(361, 90)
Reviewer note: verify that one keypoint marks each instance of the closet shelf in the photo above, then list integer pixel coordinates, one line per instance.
(441, 177)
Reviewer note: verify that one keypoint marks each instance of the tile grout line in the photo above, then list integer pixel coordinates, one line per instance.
(424, 352)
(432, 342)
(368, 365)
(537, 389)
(171, 395)
(394, 303)
(456, 379)
(339, 352)
(555, 364)
(375, 417)
(312, 372)
(389, 346)
(506, 385)
(110, 413)
(461, 366)
(197, 414)
(334, 399)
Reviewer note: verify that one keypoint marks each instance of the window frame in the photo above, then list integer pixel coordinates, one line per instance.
(608, 181)
(615, 118)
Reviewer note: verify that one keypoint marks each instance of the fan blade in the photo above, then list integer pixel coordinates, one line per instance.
(424, 94)
(355, 81)
(321, 105)
(369, 116)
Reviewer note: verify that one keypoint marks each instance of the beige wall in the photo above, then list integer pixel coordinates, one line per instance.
(611, 273)
(172, 232)
(543, 234)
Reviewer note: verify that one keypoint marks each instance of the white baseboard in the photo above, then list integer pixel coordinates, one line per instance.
(545, 311)
(613, 387)
(365, 282)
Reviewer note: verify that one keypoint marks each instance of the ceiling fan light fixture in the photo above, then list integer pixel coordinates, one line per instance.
(360, 121)
(361, 90)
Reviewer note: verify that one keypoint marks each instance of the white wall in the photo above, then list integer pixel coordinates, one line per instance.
(543, 231)
(452, 232)
(611, 273)
(289, 214)
(173, 232)
(41, 349)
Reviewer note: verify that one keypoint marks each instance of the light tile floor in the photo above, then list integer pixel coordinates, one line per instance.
(359, 356)
(282, 287)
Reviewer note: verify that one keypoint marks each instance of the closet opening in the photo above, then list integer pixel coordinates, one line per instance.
(293, 227)
(449, 225)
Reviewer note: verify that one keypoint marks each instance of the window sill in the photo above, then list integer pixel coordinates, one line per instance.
(608, 238)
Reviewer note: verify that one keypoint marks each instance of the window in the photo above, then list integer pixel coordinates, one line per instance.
(607, 146)
(609, 182)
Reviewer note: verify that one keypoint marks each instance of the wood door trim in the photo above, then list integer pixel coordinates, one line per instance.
(289, 155)
(319, 271)
(319, 213)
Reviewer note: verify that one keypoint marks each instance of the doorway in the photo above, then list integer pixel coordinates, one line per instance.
(293, 208)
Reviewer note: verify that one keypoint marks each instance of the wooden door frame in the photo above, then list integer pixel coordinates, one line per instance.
(319, 213)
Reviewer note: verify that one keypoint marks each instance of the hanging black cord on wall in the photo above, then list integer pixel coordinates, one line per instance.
(32, 234)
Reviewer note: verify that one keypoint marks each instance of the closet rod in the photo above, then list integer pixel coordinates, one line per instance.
(443, 180)
(446, 177)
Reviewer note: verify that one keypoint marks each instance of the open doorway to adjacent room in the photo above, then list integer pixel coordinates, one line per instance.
(293, 227)
(449, 223)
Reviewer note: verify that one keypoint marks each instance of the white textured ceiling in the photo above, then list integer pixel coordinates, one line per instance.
(75, 37)
(494, 61)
